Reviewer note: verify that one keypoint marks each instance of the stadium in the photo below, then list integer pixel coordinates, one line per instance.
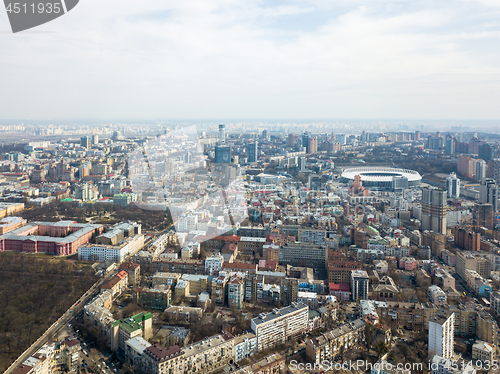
(383, 177)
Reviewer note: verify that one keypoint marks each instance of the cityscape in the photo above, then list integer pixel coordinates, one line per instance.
(249, 187)
(245, 248)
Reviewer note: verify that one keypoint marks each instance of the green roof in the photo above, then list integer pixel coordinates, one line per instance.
(133, 323)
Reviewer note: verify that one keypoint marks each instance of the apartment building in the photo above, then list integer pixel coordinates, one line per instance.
(329, 345)
(359, 285)
(436, 295)
(117, 284)
(134, 272)
(473, 261)
(244, 346)
(340, 271)
(235, 293)
(495, 303)
(413, 316)
(159, 297)
(251, 246)
(277, 326)
(441, 334)
(122, 330)
(483, 351)
(179, 266)
(169, 279)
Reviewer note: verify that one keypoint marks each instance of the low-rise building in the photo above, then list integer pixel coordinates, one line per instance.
(436, 295)
(483, 351)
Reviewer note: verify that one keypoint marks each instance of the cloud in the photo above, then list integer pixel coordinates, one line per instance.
(216, 59)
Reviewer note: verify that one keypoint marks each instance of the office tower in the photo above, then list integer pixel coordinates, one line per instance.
(488, 193)
(188, 158)
(485, 152)
(95, 139)
(453, 186)
(434, 210)
(305, 141)
(86, 142)
(417, 136)
(253, 151)
(441, 334)
(222, 154)
(483, 216)
(314, 182)
(449, 145)
(480, 170)
(222, 133)
(312, 145)
(302, 163)
(359, 285)
(399, 183)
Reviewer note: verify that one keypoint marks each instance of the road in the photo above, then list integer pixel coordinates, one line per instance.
(56, 326)
(67, 317)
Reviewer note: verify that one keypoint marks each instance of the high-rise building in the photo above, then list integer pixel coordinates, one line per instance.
(493, 169)
(480, 170)
(474, 144)
(488, 193)
(486, 152)
(302, 163)
(253, 151)
(95, 139)
(453, 186)
(434, 210)
(222, 133)
(483, 216)
(305, 141)
(466, 166)
(86, 142)
(449, 145)
(359, 285)
(222, 154)
(312, 145)
(290, 141)
(441, 334)
(435, 143)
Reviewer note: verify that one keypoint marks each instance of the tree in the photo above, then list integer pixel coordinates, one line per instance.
(381, 348)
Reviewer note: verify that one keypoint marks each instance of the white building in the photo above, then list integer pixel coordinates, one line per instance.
(115, 253)
(244, 346)
(453, 186)
(441, 339)
(187, 223)
(213, 263)
(277, 326)
(436, 295)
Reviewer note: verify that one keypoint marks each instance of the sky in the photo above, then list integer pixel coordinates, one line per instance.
(196, 59)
